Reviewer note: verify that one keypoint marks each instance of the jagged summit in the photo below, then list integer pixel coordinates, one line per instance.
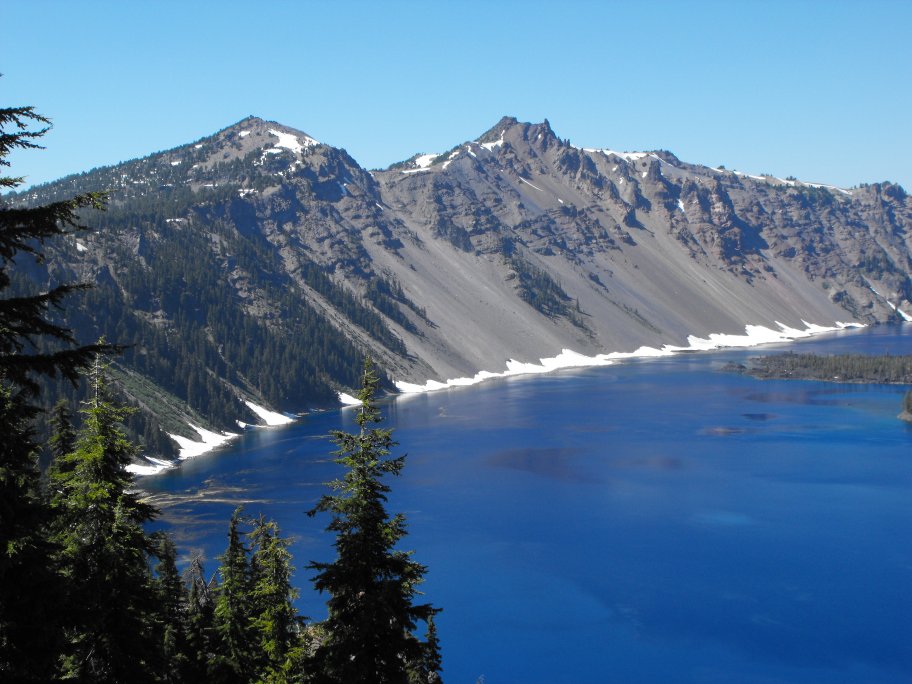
(259, 248)
(497, 130)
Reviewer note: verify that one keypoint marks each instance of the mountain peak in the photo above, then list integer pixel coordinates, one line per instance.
(512, 128)
(257, 132)
(495, 132)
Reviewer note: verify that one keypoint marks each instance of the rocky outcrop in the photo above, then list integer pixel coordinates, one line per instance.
(514, 245)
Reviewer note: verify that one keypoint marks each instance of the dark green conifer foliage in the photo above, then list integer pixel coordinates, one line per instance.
(200, 623)
(29, 587)
(31, 344)
(172, 598)
(105, 553)
(236, 657)
(433, 661)
(63, 438)
(277, 624)
(24, 321)
(371, 584)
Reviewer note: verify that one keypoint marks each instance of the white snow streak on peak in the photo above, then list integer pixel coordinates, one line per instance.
(244, 134)
(176, 162)
(423, 161)
(681, 207)
(291, 142)
(530, 184)
(489, 146)
(267, 416)
(81, 247)
(754, 335)
(627, 156)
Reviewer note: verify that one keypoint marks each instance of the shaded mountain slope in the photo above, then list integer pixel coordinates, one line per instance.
(259, 264)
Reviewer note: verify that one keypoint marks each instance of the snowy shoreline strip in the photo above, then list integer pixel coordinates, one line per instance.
(348, 400)
(754, 335)
(271, 418)
(209, 441)
(188, 449)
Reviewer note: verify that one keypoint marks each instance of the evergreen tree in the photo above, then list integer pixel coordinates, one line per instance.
(30, 589)
(427, 670)
(105, 553)
(172, 600)
(371, 584)
(24, 321)
(200, 623)
(31, 344)
(63, 437)
(277, 624)
(236, 657)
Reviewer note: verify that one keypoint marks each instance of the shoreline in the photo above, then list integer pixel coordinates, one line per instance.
(755, 335)
(210, 440)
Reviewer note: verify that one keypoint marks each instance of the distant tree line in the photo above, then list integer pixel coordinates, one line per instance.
(887, 369)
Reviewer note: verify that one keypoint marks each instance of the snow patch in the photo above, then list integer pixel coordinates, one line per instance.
(348, 399)
(290, 142)
(627, 156)
(489, 146)
(196, 147)
(681, 207)
(269, 417)
(209, 441)
(905, 316)
(153, 466)
(754, 335)
(530, 184)
(243, 134)
(81, 247)
(423, 161)
(176, 162)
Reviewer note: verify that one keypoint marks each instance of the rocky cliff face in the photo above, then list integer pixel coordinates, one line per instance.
(512, 246)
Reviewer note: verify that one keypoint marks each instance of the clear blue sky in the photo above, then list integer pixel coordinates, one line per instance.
(815, 89)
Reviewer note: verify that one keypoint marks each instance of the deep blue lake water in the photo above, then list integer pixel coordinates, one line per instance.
(651, 521)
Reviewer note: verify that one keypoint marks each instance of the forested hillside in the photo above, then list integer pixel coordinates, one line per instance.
(258, 264)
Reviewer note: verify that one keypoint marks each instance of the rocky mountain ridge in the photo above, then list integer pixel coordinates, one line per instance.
(259, 263)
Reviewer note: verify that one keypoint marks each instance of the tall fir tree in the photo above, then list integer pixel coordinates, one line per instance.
(200, 622)
(32, 344)
(278, 627)
(30, 588)
(371, 584)
(172, 599)
(236, 654)
(63, 434)
(105, 552)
